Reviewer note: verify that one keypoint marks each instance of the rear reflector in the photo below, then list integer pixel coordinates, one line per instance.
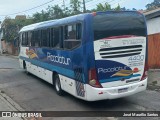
(145, 73)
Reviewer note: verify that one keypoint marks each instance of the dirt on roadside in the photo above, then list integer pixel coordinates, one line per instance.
(154, 80)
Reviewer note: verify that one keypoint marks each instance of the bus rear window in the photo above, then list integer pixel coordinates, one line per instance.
(118, 24)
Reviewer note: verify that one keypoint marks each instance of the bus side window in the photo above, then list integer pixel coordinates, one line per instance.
(44, 38)
(72, 35)
(33, 38)
(56, 41)
(78, 31)
(39, 38)
(52, 37)
(26, 38)
(29, 38)
(36, 39)
(23, 39)
(48, 37)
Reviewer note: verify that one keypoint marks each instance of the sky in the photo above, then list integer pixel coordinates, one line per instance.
(11, 7)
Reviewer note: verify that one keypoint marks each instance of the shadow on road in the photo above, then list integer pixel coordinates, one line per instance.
(95, 105)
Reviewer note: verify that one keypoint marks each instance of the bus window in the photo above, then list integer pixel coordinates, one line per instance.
(118, 24)
(44, 38)
(72, 36)
(29, 38)
(36, 39)
(25, 39)
(39, 38)
(33, 38)
(78, 31)
(56, 41)
(52, 37)
(48, 38)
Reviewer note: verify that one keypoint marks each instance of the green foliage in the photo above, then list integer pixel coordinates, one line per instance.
(75, 6)
(39, 17)
(118, 8)
(105, 7)
(55, 12)
(155, 4)
(11, 27)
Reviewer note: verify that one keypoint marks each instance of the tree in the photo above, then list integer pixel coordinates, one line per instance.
(42, 16)
(11, 27)
(55, 12)
(153, 5)
(75, 6)
(118, 8)
(105, 7)
(52, 12)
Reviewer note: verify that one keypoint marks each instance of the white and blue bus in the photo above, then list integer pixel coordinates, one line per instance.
(92, 56)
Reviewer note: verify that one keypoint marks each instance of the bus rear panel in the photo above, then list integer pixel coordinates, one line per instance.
(120, 45)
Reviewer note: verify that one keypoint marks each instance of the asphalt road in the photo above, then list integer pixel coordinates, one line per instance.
(33, 94)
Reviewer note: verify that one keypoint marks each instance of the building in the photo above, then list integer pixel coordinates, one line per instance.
(9, 33)
(153, 26)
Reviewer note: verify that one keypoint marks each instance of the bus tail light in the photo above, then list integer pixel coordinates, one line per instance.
(94, 13)
(93, 81)
(145, 73)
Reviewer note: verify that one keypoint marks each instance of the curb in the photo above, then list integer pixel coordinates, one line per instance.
(154, 70)
(13, 105)
(11, 102)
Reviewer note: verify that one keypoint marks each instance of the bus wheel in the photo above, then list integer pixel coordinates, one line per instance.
(57, 84)
(25, 67)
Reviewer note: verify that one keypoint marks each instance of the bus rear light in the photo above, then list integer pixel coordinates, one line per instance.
(93, 81)
(94, 13)
(145, 73)
(100, 93)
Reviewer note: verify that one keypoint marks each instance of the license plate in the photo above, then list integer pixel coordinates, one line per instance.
(122, 90)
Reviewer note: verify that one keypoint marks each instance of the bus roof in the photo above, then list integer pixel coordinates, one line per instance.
(49, 23)
(35, 25)
(66, 20)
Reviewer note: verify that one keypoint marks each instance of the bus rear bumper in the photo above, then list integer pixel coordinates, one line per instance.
(94, 94)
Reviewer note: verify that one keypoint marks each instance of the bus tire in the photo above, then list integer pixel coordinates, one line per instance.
(25, 67)
(57, 85)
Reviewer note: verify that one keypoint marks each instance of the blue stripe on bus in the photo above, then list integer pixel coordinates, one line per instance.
(60, 70)
(118, 78)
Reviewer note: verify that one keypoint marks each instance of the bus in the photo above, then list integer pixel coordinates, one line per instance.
(92, 56)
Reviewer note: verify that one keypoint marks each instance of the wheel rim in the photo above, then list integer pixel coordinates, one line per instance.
(57, 84)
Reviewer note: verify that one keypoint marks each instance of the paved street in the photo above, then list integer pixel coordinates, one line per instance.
(33, 94)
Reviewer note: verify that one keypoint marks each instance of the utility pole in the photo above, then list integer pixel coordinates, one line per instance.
(84, 6)
(64, 5)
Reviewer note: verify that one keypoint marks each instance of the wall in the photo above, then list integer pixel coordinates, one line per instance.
(11, 49)
(153, 26)
(154, 51)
